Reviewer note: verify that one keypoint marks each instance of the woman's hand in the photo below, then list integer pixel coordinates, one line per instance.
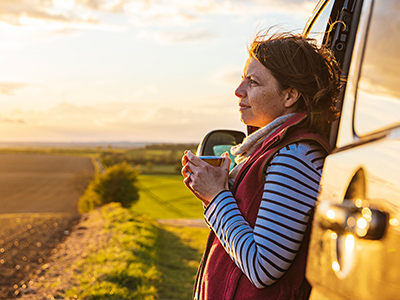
(204, 180)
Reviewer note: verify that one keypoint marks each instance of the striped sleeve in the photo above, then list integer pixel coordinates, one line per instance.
(291, 188)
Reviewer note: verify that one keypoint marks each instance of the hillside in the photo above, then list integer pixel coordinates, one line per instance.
(39, 194)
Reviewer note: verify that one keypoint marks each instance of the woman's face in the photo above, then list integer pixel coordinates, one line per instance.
(260, 99)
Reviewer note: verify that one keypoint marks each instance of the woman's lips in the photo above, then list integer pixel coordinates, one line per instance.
(243, 107)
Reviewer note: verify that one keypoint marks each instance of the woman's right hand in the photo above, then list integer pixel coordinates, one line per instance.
(204, 180)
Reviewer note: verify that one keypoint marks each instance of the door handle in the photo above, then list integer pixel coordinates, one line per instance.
(345, 218)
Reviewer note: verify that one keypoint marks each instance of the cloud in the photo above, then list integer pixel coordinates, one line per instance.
(63, 13)
(176, 36)
(159, 14)
(155, 10)
(141, 12)
(9, 88)
(298, 6)
(18, 12)
(26, 22)
(118, 121)
(167, 21)
(113, 6)
(164, 21)
(12, 121)
(228, 76)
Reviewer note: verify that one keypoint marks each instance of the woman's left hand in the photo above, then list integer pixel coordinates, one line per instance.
(204, 180)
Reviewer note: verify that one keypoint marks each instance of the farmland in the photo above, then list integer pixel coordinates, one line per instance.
(167, 197)
(31, 183)
(39, 194)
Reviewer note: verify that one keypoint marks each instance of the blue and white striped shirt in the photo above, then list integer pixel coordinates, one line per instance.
(291, 188)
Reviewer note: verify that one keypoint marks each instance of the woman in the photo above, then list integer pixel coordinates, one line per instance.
(260, 212)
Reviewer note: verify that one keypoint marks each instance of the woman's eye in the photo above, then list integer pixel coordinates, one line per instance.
(253, 82)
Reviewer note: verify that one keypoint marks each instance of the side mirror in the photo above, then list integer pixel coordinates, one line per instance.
(217, 142)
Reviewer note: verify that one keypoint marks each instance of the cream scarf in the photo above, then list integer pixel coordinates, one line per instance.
(252, 142)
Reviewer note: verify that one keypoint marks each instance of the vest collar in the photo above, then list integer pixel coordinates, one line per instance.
(280, 133)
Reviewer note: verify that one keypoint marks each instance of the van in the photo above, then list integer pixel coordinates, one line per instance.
(355, 243)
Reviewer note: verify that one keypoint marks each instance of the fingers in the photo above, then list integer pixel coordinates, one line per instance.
(226, 162)
(186, 170)
(189, 162)
(194, 159)
(184, 158)
(186, 181)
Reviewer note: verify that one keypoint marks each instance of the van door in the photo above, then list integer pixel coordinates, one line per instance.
(355, 244)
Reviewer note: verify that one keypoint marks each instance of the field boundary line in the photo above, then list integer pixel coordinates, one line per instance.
(161, 202)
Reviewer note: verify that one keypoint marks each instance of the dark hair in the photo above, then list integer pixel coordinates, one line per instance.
(297, 62)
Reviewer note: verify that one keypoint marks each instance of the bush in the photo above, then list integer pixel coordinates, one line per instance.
(118, 184)
(109, 159)
(89, 200)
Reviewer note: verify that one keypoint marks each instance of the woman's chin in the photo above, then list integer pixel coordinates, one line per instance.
(248, 121)
(244, 121)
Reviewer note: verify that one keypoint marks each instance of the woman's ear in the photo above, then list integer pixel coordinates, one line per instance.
(291, 97)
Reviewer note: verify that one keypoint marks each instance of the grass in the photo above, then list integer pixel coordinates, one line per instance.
(160, 169)
(144, 259)
(166, 197)
(124, 267)
(179, 250)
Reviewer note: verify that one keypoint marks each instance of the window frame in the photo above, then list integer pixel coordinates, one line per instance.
(382, 131)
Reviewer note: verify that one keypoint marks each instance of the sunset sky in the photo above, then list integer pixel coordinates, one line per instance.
(128, 70)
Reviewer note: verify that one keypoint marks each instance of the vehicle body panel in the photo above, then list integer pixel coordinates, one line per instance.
(367, 269)
(363, 172)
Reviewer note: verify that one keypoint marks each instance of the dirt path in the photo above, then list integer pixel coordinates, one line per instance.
(26, 243)
(184, 222)
(53, 278)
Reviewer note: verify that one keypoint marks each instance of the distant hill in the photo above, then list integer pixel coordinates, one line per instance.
(119, 145)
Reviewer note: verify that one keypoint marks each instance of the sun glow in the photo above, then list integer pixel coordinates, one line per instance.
(96, 57)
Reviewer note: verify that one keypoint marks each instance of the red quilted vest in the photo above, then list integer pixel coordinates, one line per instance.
(218, 277)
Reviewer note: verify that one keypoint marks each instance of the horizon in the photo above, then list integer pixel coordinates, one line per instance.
(121, 145)
(128, 70)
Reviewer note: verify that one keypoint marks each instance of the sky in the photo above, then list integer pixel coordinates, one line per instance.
(128, 70)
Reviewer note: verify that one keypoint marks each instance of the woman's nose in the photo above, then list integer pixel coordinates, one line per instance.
(239, 92)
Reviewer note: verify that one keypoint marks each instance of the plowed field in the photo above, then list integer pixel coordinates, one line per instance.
(38, 207)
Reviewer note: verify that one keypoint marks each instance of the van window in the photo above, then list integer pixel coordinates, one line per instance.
(319, 27)
(378, 95)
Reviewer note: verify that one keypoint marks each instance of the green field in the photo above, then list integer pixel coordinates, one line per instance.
(178, 249)
(166, 197)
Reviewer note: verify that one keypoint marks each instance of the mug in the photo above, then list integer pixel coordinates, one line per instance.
(213, 160)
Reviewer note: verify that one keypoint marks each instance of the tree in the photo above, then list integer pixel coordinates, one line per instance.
(118, 184)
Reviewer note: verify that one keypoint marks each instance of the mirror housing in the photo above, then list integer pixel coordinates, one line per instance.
(217, 142)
